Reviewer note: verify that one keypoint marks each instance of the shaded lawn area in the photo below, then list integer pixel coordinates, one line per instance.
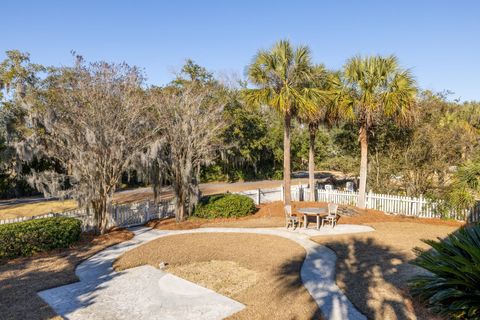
(373, 268)
(22, 278)
(260, 271)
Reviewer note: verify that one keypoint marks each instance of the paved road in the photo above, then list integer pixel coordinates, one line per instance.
(206, 188)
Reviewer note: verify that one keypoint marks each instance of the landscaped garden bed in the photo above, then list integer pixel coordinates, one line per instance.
(22, 278)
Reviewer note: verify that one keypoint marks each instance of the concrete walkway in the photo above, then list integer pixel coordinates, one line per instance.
(148, 293)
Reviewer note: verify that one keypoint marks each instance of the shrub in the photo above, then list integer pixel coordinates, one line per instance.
(28, 237)
(452, 288)
(224, 206)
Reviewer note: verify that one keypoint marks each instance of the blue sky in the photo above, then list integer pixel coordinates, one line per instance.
(439, 40)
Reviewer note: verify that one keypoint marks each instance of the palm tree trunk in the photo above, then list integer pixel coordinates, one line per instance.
(362, 192)
(286, 161)
(311, 161)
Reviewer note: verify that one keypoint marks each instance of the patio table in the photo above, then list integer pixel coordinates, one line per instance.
(312, 212)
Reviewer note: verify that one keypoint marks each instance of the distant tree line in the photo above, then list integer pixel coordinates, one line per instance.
(85, 130)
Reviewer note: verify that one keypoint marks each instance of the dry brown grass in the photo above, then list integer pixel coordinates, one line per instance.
(373, 268)
(33, 209)
(274, 262)
(8, 211)
(225, 277)
(22, 278)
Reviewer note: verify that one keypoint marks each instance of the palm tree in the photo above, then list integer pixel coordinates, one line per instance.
(281, 76)
(325, 88)
(375, 87)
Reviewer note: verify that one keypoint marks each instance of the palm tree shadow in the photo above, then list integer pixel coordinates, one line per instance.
(374, 276)
(290, 282)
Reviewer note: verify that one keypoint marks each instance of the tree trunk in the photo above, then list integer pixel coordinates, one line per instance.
(311, 161)
(362, 192)
(286, 160)
(101, 214)
(179, 209)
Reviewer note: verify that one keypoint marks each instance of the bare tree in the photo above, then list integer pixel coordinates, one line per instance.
(191, 120)
(92, 119)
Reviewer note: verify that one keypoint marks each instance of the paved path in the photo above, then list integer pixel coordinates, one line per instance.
(149, 293)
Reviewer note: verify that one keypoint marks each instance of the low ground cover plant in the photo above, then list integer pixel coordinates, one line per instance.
(452, 287)
(28, 237)
(224, 206)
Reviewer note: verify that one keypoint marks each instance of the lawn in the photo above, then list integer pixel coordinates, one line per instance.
(373, 268)
(8, 211)
(22, 278)
(36, 208)
(260, 271)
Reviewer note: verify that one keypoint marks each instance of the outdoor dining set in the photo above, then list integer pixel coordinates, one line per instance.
(324, 216)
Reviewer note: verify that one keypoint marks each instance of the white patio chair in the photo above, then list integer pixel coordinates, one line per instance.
(332, 216)
(291, 220)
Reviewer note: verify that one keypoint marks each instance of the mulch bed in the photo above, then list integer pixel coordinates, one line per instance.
(373, 268)
(22, 278)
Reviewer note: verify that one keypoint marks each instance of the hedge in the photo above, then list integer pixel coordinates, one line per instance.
(28, 237)
(224, 206)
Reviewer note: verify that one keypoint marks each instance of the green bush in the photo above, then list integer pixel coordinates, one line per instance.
(28, 237)
(224, 206)
(452, 288)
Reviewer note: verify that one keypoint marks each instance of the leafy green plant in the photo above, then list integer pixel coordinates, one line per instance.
(28, 237)
(452, 288)
(224, 206)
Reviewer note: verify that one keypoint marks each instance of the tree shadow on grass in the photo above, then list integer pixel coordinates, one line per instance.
(290, 283)
(22, 278)
(374, 277)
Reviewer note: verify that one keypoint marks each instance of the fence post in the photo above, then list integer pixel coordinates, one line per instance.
(419, 205)
(147, 205)
(115, 215)
(258, 196)
(368, 199)
(282, 192)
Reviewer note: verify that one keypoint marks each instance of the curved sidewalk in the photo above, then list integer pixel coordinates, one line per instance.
(150, 293)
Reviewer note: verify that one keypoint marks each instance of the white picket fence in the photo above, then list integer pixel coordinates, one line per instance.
(393, 204)
(122, 215)
(132, 214)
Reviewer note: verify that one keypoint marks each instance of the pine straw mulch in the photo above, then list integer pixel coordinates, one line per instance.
(271, 215)
(22, 278)
(260, 271)
(372, 268)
